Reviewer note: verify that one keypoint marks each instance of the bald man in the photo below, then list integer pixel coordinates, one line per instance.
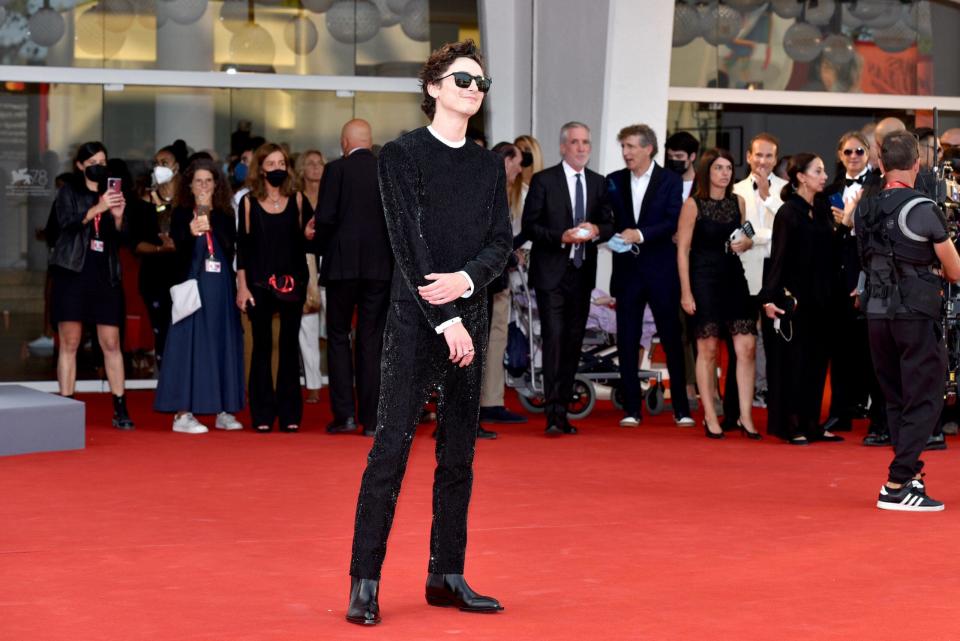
(950, 138)
(356, 270)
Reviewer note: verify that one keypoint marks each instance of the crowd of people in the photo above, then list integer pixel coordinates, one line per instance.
(764, 267)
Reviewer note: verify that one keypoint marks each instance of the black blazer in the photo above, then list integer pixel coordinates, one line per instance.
(659, 215)
(351, 229)
(846, 244)
(547, 213)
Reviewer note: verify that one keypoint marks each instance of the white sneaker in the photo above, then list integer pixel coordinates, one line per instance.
(684, 421)
(187, 424)
(227, 421)
(629, 421)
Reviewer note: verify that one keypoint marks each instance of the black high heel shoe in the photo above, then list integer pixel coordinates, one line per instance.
(363, 608)
(713, 435)
(753, 436)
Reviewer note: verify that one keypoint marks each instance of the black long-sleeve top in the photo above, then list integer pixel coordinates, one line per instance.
(803, 256)
(224, 230)
(446, 211)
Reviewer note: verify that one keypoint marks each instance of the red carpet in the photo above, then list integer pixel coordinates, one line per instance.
(650, 533)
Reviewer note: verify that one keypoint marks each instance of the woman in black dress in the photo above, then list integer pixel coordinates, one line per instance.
(204, 356)
(86, 272)
(713, 287)
(271, 279)
(150, 232)
(796, 297)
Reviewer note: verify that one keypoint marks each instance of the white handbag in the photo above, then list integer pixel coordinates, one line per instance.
(186, 299)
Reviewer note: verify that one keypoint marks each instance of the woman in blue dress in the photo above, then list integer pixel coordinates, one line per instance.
(203, 358)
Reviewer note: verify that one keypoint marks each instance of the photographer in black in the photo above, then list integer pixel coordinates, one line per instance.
(902, 238)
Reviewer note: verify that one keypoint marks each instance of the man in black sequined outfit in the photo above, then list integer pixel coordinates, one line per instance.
(447, 216)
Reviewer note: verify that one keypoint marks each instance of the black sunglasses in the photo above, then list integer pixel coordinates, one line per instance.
(859, 151)
(462, 79)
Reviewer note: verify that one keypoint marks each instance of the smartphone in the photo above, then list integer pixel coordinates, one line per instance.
(113, 184)
(836, 200)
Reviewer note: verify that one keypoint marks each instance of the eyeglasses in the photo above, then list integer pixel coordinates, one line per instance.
(462, 79)
(859, 151)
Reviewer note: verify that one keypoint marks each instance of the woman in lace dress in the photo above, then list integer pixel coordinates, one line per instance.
(713, 287)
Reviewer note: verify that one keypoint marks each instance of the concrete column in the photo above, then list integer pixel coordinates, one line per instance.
(506, 28)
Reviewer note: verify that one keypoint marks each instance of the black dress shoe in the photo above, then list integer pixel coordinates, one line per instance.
(363, 608)
(452, 591)
(553, 429)
(877, 439)
(935, 442)
(835, 424)
(500, 414)
(568, 429)
(369, 431)
(347, 426)
(485, 434)
(832, 438)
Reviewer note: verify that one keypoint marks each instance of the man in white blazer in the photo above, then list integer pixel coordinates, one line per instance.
(761, 194)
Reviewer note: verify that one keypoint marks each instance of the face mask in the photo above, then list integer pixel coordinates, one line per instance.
(96, 173)
(240, 172)
(527, 160)
(679, 166)
(276, 177)
(162, 174)
(618, 245)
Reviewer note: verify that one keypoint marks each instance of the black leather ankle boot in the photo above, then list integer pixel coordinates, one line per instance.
(363, 608)
(121, 420)
(451, 590)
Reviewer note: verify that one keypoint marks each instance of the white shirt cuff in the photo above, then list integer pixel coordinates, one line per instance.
(442, 326)
(470, 288)
(640, 242)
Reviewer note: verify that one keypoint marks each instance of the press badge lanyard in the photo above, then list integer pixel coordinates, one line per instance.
(95, 243)
(211, 265)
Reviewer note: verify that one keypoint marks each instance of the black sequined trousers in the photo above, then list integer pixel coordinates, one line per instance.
(415, 362)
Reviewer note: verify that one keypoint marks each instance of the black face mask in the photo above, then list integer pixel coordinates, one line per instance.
(96, 173)
(276, 177)
(679, 166)
(526, 159)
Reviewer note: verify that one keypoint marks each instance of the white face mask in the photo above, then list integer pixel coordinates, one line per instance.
(162, 174)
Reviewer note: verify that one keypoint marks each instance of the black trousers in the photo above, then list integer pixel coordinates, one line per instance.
(415, 363)
(849, 360)
(285, 403)
(563, 320)
(664, 300)
(159, 309)
(370, 299)
(911, 363)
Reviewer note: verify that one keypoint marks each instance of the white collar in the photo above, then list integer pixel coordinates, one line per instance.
(756, 179)
(456, 144)
(865, 170)
(647, 174)
(571, 172)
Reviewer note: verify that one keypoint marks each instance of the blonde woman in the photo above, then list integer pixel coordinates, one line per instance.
(309, 170)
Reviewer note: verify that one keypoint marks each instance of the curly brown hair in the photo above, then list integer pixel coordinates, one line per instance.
(436, 67)
(258, 182)
(222, 197)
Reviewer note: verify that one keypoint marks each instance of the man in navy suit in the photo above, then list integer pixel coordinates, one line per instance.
(646, 202)
(565, 215)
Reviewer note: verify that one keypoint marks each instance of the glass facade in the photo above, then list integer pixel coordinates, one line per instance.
(318, 37)
(869, 46)
(42, 123)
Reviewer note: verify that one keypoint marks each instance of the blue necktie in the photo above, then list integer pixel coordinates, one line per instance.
(578, 217)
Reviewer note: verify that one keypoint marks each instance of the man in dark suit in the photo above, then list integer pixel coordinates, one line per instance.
(356, 270)
(646, 202)
(565, 214)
